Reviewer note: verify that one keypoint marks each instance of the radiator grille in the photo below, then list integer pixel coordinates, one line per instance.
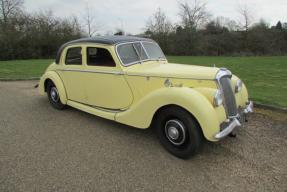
(229, 98)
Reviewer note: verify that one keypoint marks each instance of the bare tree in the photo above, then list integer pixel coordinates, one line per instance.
(230, 24)
(193, 15)
(9, 8)
(245, 22)
(159, 23)
(90, 22)
(246, 17)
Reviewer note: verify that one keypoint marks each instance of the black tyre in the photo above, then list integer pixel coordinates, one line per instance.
(178, 132)
(54, 96)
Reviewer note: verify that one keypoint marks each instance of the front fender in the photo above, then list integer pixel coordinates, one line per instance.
(53, 76)
(141, 114)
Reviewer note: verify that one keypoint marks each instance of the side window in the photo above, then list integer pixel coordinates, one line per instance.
(99, 57)
(74, 56)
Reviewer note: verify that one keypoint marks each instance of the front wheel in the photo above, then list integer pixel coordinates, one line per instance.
(54, 96)
(178, 132)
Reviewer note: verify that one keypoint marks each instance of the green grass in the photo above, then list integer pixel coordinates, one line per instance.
(23, 69)
(265, 77)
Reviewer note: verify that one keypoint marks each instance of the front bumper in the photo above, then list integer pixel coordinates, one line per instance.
(234, 122)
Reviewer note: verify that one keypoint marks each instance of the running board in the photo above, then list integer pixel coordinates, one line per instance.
(94, 111)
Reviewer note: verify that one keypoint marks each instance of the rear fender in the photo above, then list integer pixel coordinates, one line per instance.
(55, 78)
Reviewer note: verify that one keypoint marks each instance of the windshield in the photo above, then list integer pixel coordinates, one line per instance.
(131, 53)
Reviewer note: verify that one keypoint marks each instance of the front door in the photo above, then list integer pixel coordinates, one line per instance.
(106, 86)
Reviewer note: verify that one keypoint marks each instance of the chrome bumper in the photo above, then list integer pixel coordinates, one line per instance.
(234, 122)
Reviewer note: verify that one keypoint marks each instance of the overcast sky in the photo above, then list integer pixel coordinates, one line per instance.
(131, 15)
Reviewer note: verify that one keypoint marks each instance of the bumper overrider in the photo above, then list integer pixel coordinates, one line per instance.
(234, 122)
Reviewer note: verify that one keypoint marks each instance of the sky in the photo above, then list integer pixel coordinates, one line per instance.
(132, 15)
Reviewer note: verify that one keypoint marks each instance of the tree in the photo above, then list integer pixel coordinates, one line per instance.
(230, 24)
(158, 27)
(193, 15)
(159, 23)
(246, 17)
(9, 8)
(90, 22)
(279, 26)
(245, 22)
(262, 39)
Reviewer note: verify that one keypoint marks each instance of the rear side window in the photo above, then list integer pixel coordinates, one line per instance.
(99, 57)
(74, 56)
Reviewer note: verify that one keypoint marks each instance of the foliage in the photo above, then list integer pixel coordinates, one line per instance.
(198, 34)
(39, 35)
(36, 35)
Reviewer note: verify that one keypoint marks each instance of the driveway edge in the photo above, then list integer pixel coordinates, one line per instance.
(26, 79)
(269, 107)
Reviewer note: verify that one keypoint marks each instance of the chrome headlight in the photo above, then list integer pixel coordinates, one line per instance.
(238, 86)
(218, 98)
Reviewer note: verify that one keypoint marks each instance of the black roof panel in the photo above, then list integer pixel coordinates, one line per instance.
(110, 40)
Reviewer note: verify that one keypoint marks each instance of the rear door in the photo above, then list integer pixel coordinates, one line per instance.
(72, 73)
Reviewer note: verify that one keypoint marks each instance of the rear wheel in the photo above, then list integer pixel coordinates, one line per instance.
(178, 132)
(54, 96)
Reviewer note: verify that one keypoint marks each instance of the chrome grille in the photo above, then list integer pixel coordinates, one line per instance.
(229, 98)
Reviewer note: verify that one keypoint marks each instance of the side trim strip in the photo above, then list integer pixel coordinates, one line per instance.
(130, 74)
(94, 71)
(158, 76)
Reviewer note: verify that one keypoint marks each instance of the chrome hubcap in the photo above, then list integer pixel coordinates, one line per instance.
(175, 132)
(54, 94)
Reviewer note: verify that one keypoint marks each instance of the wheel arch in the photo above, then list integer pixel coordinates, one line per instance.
(52, 76)
(46, 84)
(162, 108)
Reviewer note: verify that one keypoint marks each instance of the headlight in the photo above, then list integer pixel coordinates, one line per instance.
(218, 98)
(238, 86)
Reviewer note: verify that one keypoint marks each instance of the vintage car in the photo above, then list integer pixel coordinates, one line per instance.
(129, 80)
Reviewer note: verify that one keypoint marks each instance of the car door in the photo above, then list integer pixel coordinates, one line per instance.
(106, 86)
(72, 73)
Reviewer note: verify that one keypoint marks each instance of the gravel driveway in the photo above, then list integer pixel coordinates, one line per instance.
(42, 149)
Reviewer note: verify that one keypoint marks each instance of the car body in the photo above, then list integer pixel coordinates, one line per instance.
(129, 80)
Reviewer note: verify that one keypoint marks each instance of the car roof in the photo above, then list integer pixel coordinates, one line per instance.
(110, 40)
(107, 40)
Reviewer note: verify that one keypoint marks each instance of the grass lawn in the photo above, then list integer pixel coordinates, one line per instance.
(23, 69)
(265, 77)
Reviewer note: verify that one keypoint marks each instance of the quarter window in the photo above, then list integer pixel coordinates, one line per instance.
(74, 56)
(99, 57)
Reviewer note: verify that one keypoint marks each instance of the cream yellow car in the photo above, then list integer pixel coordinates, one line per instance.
(129, 80)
